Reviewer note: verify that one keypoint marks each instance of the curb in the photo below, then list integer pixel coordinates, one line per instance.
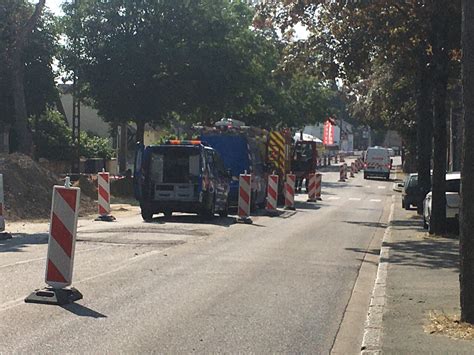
(373, 330)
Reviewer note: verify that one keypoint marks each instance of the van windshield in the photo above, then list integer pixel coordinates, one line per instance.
(175, 165)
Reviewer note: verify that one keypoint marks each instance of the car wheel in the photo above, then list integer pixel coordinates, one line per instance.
(403, 203)
(147, 215)
(365, 176)
(225, 212)
(425, 225)
(208, 212)
(387, 177)
(407, 206)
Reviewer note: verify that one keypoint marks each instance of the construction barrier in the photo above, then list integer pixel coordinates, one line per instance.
(61, 247)
(103, 188)
(318, 178)
(345, 171)
(272, 193)
(312, 188)
(2, 219)
(3, 235)
(342, 160)
(352, 170)
(290, 191)
(342, 175)
(245, 192)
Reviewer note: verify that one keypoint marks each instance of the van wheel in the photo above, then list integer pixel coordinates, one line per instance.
(147, 215)
(208, 212)
(225, 212)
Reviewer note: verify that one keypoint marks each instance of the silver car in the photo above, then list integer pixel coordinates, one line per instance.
(453, 199)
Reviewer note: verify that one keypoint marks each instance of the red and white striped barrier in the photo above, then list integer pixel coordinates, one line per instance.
(3, 235)
(352, 170)
(103, 188)
(319, 179)
(345, 171)
(62, 236)
(290, 191)
(2, 201)
(342, 175)
(312, 188)
(272, 193)
(245, 193)
(61, 247)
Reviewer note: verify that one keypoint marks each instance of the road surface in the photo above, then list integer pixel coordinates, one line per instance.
(179, 285)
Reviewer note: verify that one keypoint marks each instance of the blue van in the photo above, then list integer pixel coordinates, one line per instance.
(241, 153)
(180, 176)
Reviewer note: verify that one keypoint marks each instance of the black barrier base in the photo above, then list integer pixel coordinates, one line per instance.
(106, 218)
(245, 220)
(311, 200)
(289, 208)
(5, 236)
(54, 296)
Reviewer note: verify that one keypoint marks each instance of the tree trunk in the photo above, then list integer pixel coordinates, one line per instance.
(140, 131)
(24, 142)
(123, 145)
(440, 84)
(466, 277)
(20, 127)
(424, 130)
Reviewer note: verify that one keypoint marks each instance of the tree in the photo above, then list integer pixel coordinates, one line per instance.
(467, 187)
(349, 39)
(15, 61)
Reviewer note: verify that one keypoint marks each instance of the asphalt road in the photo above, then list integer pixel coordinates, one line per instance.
(180, 285)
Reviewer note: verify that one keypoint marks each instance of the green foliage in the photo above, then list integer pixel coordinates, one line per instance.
(52, 138)
(40, 90)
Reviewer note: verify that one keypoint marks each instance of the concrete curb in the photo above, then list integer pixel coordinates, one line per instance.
(373, 331)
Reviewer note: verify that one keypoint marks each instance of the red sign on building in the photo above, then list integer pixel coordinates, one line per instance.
(328, 137)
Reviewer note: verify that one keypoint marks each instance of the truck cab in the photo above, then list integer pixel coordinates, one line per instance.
(180, 176)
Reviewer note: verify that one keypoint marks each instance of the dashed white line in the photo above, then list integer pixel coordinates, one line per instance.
(374, 200)
(355, 199)
(334, 198)
(382, 187)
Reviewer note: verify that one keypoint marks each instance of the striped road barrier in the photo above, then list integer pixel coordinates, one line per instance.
(61, 247)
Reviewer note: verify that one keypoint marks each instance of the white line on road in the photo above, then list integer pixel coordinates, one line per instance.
(382, 187)
(374, 200)
(355, 199)
(334, 198)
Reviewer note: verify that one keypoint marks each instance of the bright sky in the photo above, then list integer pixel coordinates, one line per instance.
(55, 6)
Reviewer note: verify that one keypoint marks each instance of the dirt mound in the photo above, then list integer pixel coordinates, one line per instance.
(28, 189)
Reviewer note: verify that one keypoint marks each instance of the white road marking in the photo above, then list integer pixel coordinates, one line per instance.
(355, 199)
(334, 198)
(375, 200)
(382, 187)
(368, 186)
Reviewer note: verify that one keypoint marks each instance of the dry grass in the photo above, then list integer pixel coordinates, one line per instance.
(449, 325)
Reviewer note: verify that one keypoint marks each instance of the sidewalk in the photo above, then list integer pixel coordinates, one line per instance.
(421, 276)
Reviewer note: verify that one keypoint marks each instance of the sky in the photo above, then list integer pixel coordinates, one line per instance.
(55, 6)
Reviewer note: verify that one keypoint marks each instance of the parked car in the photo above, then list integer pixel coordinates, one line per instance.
(410, 191)
(377, 163)
(180, 176)
(453, 199)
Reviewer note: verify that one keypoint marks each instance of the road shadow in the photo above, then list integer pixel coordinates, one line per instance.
(368, 224)
(83, 311)
(301, 205)
(437, 253)
(22, 240)
(194, 219)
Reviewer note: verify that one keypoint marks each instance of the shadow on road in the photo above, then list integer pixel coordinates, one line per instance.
(194, 219)
(20, 241)
(431, 253)
(83, 311)
(368, 224)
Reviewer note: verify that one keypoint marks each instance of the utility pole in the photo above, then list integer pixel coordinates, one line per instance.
(76, 107)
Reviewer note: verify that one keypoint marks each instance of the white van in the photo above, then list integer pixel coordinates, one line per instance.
(377, 163)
